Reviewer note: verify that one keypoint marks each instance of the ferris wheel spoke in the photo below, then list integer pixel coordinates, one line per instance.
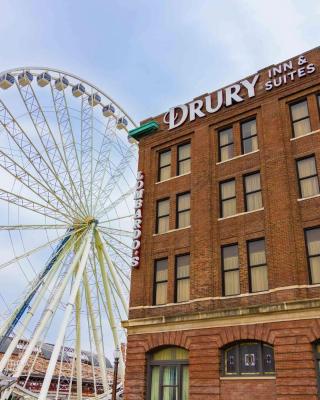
(30, 252)
(111, 206)
(72, 163)
(55, 160)
(86, 148)
(30, 182)
(102, 248)
(115, 219)
(31, 205)
(33, 227)
(117, 232)
(31, 153)
(116, 174)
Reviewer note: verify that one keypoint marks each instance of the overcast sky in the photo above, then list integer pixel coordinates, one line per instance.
(153, 54)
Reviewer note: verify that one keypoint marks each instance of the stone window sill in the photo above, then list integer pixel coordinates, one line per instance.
(307, 134)
(236, 157)
(307, 198)
(238, 377)
(243, 213)
(173, 177)
(172, 230)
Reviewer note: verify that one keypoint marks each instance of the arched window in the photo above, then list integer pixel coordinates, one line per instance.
(248, 358)
(168, 374)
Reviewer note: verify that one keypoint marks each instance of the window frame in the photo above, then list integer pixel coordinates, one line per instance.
(176, 279)
(225, 145)
(223, 271)
(183, 159)
(249, 137)
(308, 177)
(165, 363)
(316, 355)
(307, 252)
(297, 101)
(254, 191)
(229, 198)
(162, 216)
(184, 210)
(162, 151)
(155, 282)
(258, 265)
(239, 372)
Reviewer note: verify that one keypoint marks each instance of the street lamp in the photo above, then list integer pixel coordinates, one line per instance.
(116, 355)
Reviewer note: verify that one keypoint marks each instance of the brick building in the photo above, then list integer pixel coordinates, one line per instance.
(225, 298)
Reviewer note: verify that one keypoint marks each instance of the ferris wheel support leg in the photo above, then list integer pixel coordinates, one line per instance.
(113, 272)
(96, 337)
(69, 308)
(10, 324)
(106, 286)
(78, 346)
(48, 313)
(34, 307)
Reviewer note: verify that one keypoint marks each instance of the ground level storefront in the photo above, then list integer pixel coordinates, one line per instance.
(272, 354)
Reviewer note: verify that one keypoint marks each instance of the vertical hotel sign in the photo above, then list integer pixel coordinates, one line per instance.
(138, 203)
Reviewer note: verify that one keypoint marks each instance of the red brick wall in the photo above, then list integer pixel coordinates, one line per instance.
(294, 362)
(281, 222)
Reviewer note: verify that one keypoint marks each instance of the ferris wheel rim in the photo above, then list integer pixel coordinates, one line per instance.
(15, 71)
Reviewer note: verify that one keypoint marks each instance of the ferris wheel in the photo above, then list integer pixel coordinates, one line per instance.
(67, 181)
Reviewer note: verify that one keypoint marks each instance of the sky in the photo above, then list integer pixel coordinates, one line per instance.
(150, 55)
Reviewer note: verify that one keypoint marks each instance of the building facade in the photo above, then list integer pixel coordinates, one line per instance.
(225, 293)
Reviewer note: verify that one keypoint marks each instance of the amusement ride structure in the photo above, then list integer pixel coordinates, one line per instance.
(67, 183)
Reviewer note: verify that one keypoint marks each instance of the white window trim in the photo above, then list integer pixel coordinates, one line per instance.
(307, 198)
(307, 134)
(173, 177)
(172, 230)
(234, 158)
(243, 213)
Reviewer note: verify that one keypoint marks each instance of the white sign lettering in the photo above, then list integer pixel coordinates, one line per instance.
(212, 103)
(138, 203)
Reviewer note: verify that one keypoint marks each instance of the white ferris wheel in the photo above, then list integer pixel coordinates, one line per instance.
(67, 180)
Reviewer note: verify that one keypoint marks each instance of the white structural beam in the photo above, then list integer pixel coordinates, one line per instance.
(107, 292)
(69, 308)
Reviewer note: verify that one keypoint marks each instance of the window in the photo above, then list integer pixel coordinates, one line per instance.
(249, 138)
(252, 190)
(308, 177)
(257, 265)
(168, 374)
(162, 216)
(182, 278)
(248, 358)
(160, 281)
(230, 270)
(225, 144)
(300, 118)
(164, 170)
(313, 250)
(228, 201)
(184, 159)
(183, 210)
(317, 359)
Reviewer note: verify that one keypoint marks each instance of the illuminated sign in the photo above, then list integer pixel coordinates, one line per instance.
(277, 76)
(138, 203)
